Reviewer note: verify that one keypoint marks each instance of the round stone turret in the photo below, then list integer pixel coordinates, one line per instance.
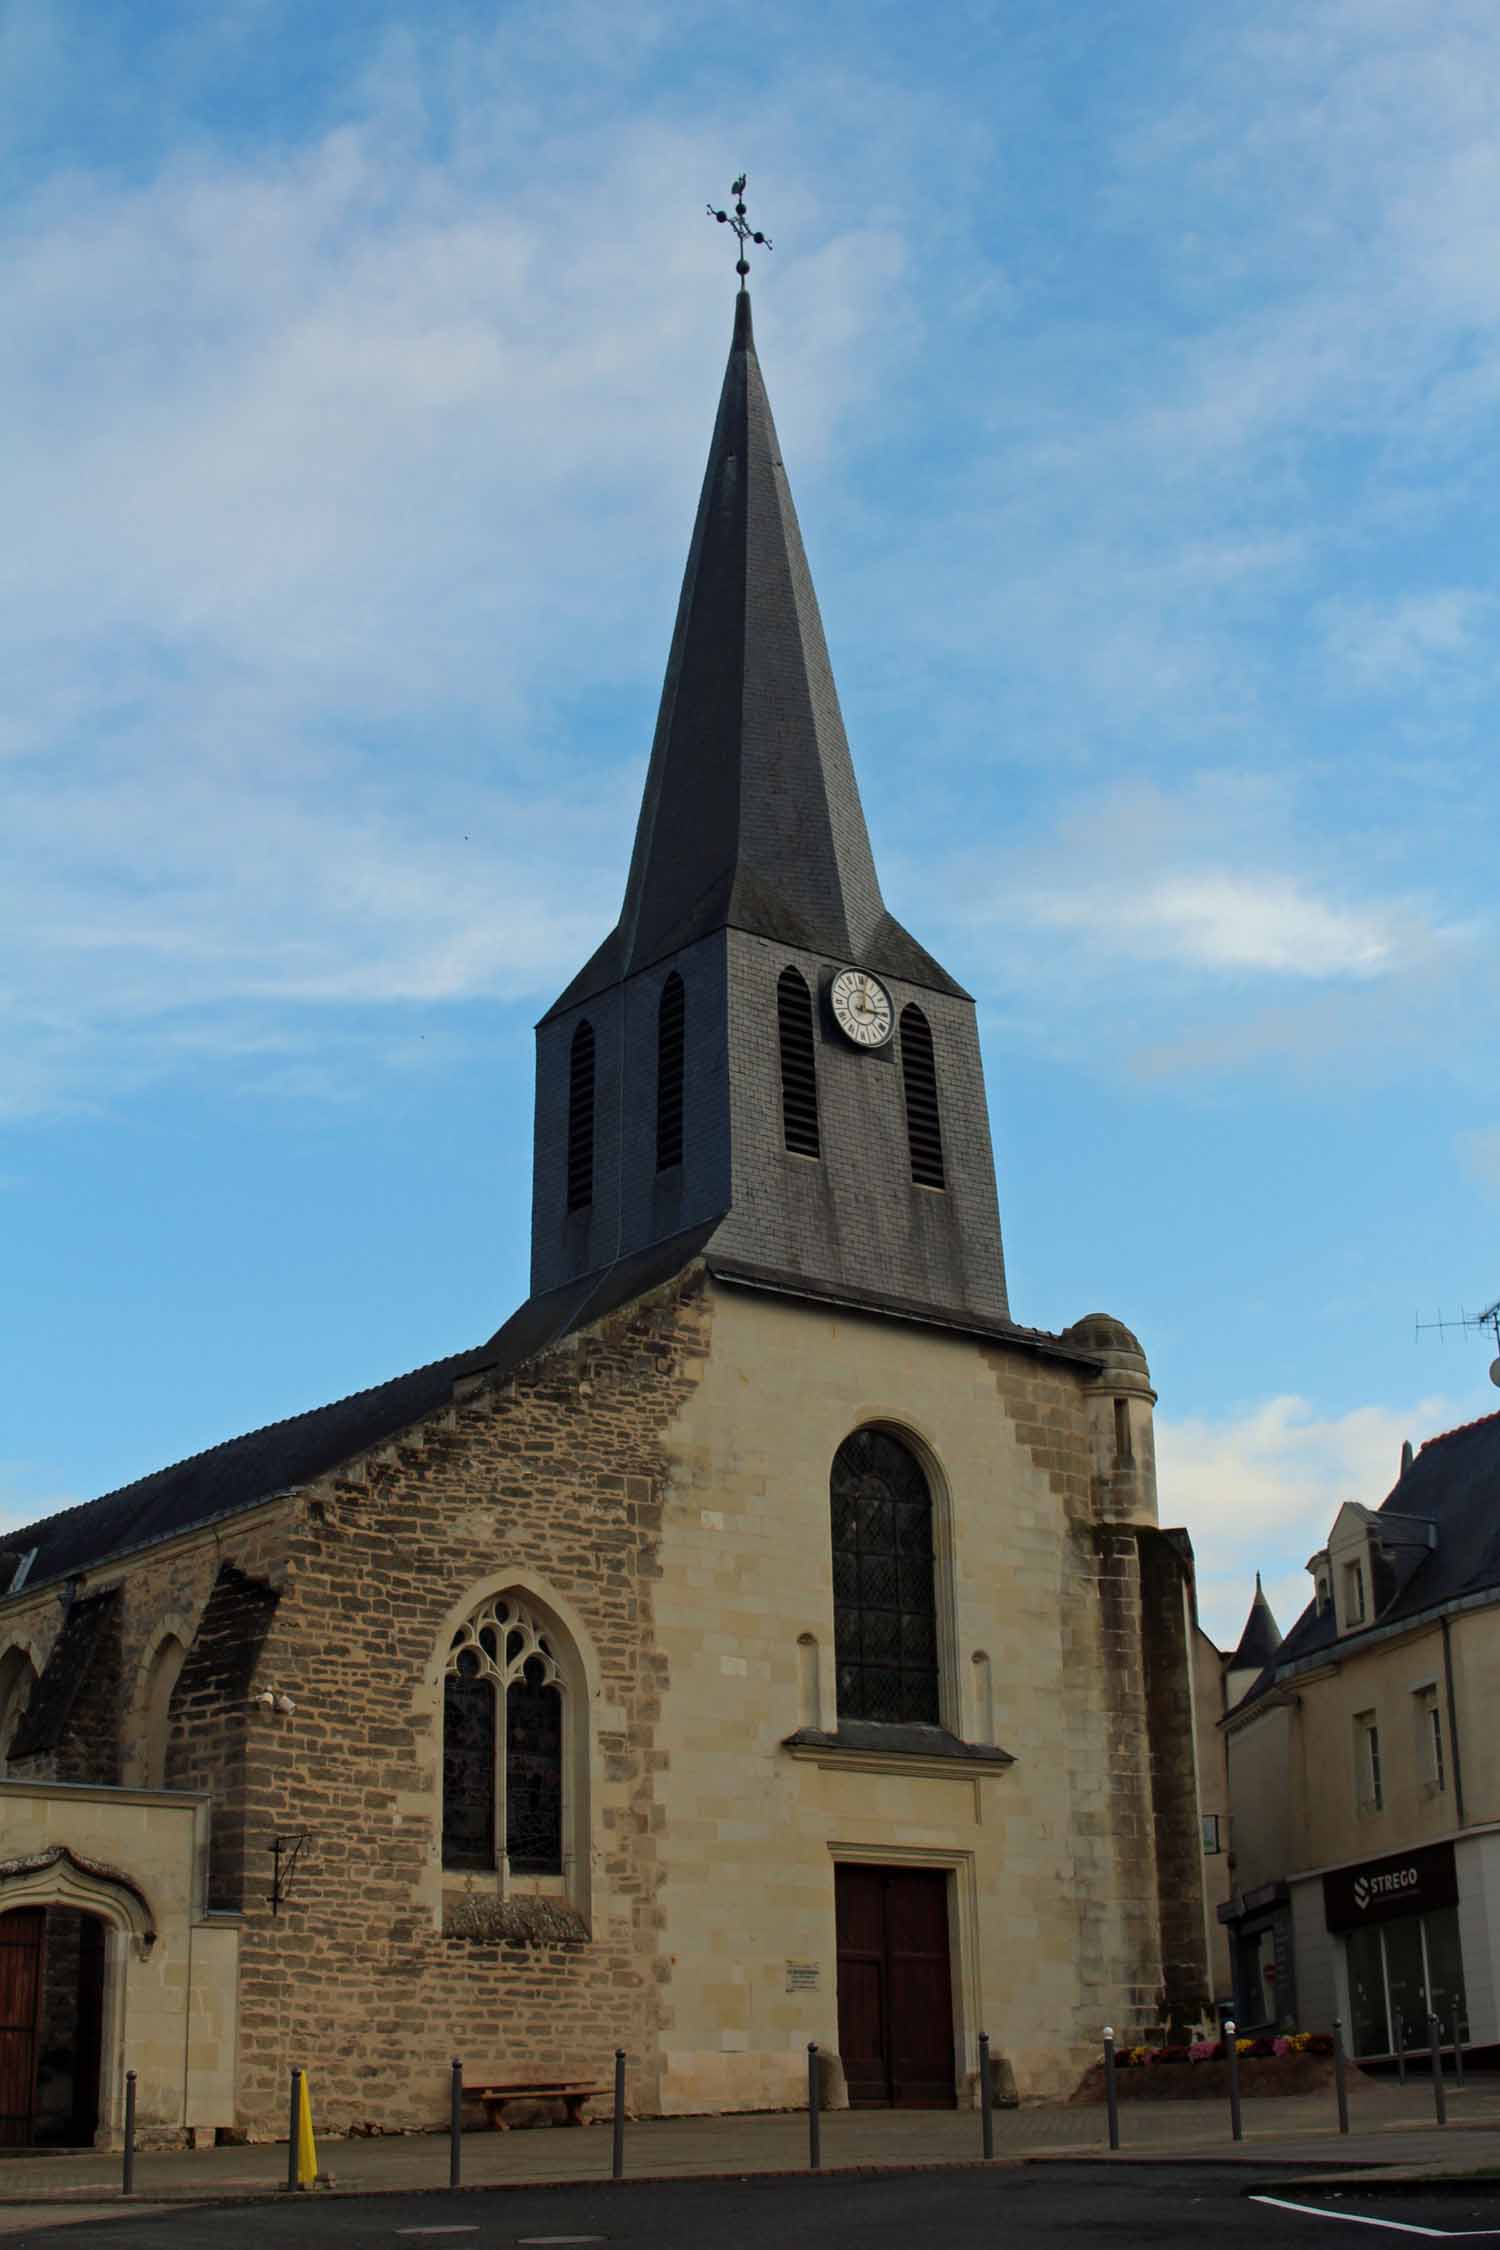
(1121, 1436)
(1110, 1341)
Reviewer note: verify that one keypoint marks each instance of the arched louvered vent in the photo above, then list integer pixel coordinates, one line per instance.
(924, 1131)
(670, 1031)
(581, 1118)
(799, 1070)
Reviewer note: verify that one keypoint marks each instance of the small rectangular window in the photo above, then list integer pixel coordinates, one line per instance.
(1430, 1756)
(1213, 1836)
(1122, 1429)
(1367, 1759)
(1354, 1593)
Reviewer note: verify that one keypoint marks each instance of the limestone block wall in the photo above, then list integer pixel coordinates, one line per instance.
(1051, 1862)
(378, 1968)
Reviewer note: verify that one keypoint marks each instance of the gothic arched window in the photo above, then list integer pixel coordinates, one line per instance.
(799, 1070)
(154, 1716)
(884, 1603)
(503, 1776)
(581, 1118)
(671, 1035)
(924, 1131)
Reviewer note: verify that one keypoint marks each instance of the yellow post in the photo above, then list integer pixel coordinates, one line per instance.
(307, 2147)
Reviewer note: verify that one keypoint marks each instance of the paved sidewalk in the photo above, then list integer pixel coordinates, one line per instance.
(1391, 2126)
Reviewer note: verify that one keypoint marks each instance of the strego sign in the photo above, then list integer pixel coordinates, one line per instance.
(1403, 1883)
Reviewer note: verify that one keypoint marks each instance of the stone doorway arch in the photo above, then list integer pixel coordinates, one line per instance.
(66, 1928)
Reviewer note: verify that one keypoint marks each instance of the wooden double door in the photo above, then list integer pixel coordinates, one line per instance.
(895, 1986)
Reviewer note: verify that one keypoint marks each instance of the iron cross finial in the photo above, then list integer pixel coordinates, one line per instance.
(742, 227)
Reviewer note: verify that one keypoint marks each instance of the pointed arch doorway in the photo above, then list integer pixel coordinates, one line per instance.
(52, 1962)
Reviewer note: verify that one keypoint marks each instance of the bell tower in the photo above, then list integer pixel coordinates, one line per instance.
(759, 1056)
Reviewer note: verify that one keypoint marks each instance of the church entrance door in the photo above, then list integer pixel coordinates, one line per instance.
(895, 1986)
(21, 1938)
(52, 1964)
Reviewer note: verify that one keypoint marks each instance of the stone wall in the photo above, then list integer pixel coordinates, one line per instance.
(658, 1488)
(1166, 1562)
(378, 1969)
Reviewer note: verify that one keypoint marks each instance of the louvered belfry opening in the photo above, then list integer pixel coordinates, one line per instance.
(884, 1598)
(924, 1130)
(581, 1118)
(671, 1031)
(799, 1068)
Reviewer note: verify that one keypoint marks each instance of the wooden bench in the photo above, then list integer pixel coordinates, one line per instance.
(571, 2092)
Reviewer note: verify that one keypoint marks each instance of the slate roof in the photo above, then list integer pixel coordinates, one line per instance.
(751, 817)
(243, 1471)
(1453, 1483)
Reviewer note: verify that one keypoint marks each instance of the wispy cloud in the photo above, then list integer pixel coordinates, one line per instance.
(1258, 1489)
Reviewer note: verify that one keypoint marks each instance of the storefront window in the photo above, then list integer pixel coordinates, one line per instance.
(1445, 1969)
(1367, 2015)
(1401, 1971)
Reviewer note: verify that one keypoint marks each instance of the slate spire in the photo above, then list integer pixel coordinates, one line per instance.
(1261, 1638)
(751, 817)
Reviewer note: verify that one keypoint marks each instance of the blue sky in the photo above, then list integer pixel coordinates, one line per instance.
(1137, 368)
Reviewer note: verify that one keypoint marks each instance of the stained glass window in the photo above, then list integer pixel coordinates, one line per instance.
(468, 1772)
(503, 1650)
(885, 1627)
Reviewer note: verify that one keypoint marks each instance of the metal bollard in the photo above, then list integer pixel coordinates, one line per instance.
(1400, 2050)
(617, 2150)
(1340, 2078)
(1111, 2091)
(1232, 2056)
(127, 2170)
(1439, 2098)
(455, 2123)
(291, 2137)
(1458, 2049)
(986, 2096)
(814, 2121)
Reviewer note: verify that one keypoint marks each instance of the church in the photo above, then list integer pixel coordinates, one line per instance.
(762, 1638)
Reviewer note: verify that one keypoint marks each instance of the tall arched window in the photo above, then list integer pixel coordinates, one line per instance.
(884, 1603)
(799, 1070)
(581, 1118)
(155, 1711)
(924, 1130)
(671, 1032)
(503, 1778)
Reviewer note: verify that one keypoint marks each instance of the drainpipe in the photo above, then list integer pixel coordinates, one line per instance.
(1458, 1771)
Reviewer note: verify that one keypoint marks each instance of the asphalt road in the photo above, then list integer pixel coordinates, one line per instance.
(1001, 2209)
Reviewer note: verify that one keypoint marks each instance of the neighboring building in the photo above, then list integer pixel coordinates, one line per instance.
(762, 1638)
(1219, 1682)
(1364, 1772)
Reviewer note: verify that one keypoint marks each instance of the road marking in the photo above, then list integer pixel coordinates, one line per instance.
(1396, 2226)
(437, 2230)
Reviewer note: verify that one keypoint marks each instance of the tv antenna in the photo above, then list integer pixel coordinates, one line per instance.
(1489, 1318)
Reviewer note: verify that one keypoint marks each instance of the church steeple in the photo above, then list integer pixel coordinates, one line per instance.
(694, 1081)
(751, 818)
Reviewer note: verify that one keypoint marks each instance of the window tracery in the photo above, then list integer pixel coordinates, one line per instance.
(506, 1776)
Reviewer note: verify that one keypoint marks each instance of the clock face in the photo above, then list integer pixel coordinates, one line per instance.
(861, 1008)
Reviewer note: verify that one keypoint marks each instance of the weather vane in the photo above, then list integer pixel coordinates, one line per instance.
(742, 227)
